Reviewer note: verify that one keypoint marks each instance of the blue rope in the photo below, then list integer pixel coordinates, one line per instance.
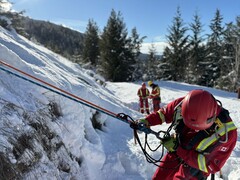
(62, 94)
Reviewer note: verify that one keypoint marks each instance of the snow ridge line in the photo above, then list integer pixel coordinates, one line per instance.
(57, 90)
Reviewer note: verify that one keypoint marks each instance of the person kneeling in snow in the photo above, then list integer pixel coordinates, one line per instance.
(205, 136)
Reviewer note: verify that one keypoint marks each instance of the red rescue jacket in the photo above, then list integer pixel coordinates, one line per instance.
(155, 93)
(143, 93)
(198, 156)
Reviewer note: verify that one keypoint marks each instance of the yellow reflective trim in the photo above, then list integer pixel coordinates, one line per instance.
(141, 92)
(157, 91)
(231, 126)
(161, 115)
(147, 92)
(178, 115)
(218, 122)
(205, 143)
(202, 163)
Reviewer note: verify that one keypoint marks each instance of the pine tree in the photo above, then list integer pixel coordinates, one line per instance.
(134, 46)
(214, 50)
(178, 49)
(152, 63)
(230, 76)
(237, 53)
(196, 53)
(165, 72)
(136, 42)
(91, 43)
(114, 50)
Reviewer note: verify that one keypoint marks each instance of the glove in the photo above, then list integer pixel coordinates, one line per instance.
(141, 125)
(170, 143)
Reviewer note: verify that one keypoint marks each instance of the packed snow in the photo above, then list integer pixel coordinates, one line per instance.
(87, 153)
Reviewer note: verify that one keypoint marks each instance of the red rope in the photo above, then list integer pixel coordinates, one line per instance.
(48, 84)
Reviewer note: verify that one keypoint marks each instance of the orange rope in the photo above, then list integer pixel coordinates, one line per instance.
(63, 91)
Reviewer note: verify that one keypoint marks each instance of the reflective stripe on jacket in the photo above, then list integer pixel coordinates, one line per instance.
(143, 92)
(207, 142)
(155, 92)
(207, 162)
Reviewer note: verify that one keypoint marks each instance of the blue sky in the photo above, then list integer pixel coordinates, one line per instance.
(150, 17)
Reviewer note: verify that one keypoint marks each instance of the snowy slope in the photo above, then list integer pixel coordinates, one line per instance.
(71, 148)
(99, 152)
(171, 91)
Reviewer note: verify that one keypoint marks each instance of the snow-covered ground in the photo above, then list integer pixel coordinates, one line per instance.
(86, 152)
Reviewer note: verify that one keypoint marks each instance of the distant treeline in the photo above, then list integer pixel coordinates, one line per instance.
(193, 57)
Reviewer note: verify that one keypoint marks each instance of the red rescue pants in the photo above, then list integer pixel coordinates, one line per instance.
(172, 169)
(156, 104)
(143, 102)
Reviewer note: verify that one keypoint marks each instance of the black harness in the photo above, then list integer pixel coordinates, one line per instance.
(223, 117)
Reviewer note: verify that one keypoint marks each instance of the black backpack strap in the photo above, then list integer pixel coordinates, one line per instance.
(223, 115)
(196, 139)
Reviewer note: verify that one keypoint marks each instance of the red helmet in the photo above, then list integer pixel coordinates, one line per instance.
(199, 109)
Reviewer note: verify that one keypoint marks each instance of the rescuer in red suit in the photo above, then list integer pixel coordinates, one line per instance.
(205, 136)
(143, 94)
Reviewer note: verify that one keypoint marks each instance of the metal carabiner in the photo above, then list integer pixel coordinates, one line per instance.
(219, 136)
